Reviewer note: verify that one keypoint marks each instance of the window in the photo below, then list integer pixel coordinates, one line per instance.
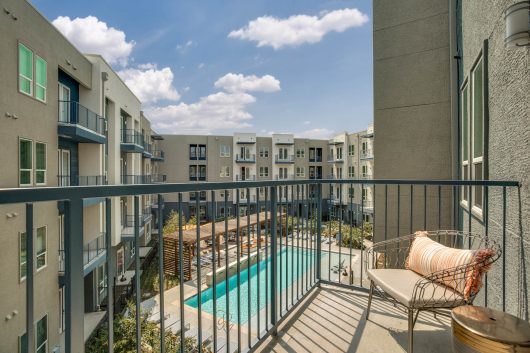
(202, 196)
(263, 171)
(339, 173)
(339, 153)
(193, 172)
(282, 173)
(40, 163)
(300, 152)
(198, 152)
(225, 172)
(202, 172)
(351, 193)
(221, 212)
(25, 70)
(25, 162)
(472, 141)
(222, 194)
(282, 153)
(300, 171)
(264, 152)
(40, 79)
(262, 191)
(40, 247)
(41, 335)
(225, 151)
(22, 256)
(351, 172)
(351, 150)
(101, 275)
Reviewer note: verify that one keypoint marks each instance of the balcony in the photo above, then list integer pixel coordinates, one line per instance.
(336, 159)
(284, 177)
(81, 180)
(367, 154)
(366, 176)
(158, 155)
(132, 141)
(315, 290)
(158, 178)
(245, 177)
(131, 179)
(284, 159)
(80, 124)
(246, 158)
(147, 152)
(94, 253)
(197, 177)
(315, 159)
(315, 176)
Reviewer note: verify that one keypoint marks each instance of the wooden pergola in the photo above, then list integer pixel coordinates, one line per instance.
(189, 241)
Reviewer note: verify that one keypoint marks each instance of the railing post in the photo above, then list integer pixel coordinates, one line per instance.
(319, 232)
(274, 262)
(30, 327)
(161, 270)
(110, 273)
(74, 281)
(137, 271)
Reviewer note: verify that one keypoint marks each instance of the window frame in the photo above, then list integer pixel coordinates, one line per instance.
(32, 79)
(351, 150)
(224, 151)
(351, 171)
(20, 169)
(20, 263)
(45, 253)
(36, 170)
(45, 87)
(300, 152)
(264, 152)
(263, 171)
(300, 171)
(45, 343)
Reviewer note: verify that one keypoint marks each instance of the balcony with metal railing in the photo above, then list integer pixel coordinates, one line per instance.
(367, 154)
(148, 149)
(131, 179)
(366, 176)
(240, 177)
(158, 178)
(81, 180)
(286, 159)
(284, 177)
(80, 124)
(158, 155)
(131, 141)
(336, 159)
(308, 285)
(94, 252)
(250, 158)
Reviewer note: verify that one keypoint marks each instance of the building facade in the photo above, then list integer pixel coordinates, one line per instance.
(455, 99)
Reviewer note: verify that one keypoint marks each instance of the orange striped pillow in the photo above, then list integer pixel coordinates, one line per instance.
(427, 256)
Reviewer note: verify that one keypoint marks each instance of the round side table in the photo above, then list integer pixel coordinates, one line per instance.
(482, 330)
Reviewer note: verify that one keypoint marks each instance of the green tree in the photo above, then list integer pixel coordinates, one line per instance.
(173, 222)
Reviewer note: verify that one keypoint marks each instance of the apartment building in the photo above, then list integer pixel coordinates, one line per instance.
(453, 104)
(350, 156)
(241, 157)
(69, 120)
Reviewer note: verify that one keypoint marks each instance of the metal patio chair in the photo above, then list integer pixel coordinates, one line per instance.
(385, 266)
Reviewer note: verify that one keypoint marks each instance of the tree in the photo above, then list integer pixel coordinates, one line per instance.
(173, 222)
(125, 336)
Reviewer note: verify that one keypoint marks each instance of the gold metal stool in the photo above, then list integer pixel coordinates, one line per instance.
(482, 330)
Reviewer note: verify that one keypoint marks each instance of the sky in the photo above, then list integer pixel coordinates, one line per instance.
(219, 67)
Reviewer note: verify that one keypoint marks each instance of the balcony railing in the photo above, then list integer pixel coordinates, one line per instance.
(158, 178)
(94, 248)
(284, 159)
(197, 177)
(284, 177)
(315, 159)
(246, 158)
(366, 176)
(336, 159)
(130, 179)
(81, 180)
(245, 177)
(295, 253)
(158, 155)
(71, 112)
(367, 154)
(131, 136)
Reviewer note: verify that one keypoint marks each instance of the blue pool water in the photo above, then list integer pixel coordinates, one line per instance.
(263, 267)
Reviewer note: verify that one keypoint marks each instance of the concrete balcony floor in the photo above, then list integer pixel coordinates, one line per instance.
(333, 319)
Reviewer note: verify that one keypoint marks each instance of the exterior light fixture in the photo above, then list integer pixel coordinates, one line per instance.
(517, 18)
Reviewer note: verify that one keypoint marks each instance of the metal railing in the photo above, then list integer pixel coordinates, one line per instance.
(315, 159)
(245, 178)
(94, 248)
(367, 154)
(81, 180)
(132, 136)
(366, 176)
(71, 112)
(246, 158)
(298, 243)
(284, 159)
(158, 154)
(284, 177)
(158, 178)
(131, 179)
(336, 159)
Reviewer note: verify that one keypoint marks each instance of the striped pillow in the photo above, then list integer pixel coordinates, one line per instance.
(427, 256)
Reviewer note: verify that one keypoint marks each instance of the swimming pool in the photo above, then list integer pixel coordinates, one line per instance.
(303, 256)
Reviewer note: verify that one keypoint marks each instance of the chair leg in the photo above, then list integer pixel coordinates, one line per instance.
(370, 299)
(411, 331)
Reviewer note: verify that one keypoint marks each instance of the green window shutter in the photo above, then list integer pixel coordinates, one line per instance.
(40, 78)
(25, 69)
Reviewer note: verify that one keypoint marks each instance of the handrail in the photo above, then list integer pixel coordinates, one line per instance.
(71, 112)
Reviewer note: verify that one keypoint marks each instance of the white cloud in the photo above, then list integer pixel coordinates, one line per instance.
(307, 122)
(298, 29)
(216, 111)
(149, 83)
(200, 66)
(90, 35)
(318, 133)
(240, 83)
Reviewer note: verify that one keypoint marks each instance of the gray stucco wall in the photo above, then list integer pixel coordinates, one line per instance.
(509, 145)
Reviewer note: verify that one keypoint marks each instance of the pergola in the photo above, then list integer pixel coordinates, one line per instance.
(189, 241)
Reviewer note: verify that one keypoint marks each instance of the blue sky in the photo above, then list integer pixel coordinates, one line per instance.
(311, 82)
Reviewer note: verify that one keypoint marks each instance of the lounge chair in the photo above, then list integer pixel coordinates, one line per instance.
(429, 271)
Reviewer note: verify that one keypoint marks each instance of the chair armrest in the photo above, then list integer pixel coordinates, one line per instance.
(390, 253)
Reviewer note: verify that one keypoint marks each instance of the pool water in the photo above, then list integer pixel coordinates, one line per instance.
(305, 258)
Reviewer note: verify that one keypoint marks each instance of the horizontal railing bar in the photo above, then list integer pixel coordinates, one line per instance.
(22, 195)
